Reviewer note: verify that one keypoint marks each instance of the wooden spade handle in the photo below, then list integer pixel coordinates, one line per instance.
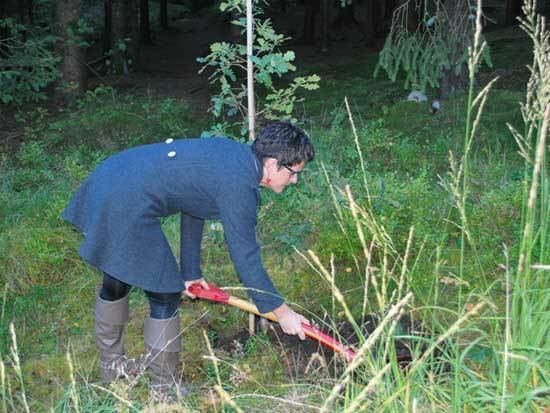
(251, 308)
(309, 330)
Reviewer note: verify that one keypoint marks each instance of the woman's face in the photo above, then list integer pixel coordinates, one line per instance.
(277, 178)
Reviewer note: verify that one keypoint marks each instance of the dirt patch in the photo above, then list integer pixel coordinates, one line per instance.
(301, 358)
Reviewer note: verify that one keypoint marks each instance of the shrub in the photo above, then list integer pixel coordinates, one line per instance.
(27, 63)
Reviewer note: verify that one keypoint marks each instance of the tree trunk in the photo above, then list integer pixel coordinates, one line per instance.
(144, 28)
(131, 19)
(384, 12)
(164, 14)
(73, 67)
(513, 10)
(16, 9)
(24, 7)
(363, 13)
(308, 35)
(30, 9)
(324, 24)
(412, 15)
(13, 9)
(124, 43)
(450, 82)
(107, 26)
(120, 31)
(4, 31)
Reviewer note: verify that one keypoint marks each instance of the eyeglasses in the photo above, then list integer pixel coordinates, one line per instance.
(292, 171)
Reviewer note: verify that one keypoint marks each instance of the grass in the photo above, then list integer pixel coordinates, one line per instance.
(380, 223)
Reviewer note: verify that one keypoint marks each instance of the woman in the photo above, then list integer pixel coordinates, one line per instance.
(118, 209)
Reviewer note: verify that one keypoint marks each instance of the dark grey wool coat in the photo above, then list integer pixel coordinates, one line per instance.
(119, 206)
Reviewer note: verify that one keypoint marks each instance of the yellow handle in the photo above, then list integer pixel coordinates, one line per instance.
(251, 308)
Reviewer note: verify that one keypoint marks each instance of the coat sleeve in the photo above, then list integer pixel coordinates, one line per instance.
(238, 214)
(190, 247)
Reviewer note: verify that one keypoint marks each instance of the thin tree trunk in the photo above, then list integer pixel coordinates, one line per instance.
(363, 13)
(250, 71)
(164, 14)
(30, 9)
(107, 26)
(308, 35)
(73, 68)
(513, 10)
(119, 34)
(131, 19)
(144, 28)
(324, 25)
(4, 31)
(9, 8)
(24, 7)
(384, 11)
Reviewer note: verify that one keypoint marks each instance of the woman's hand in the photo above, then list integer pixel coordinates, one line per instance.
(290, 321)
(188, 284)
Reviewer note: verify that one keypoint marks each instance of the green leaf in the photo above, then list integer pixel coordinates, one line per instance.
(289, 56)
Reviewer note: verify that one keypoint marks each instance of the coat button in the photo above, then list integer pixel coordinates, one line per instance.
(171, 154)
(169, 140)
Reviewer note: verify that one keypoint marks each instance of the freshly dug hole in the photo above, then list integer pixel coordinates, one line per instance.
(303, 357)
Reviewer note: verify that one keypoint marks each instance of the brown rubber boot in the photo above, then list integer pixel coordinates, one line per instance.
(163, 345)
(110, 319)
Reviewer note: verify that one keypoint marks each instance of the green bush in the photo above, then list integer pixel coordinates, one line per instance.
(27, 63)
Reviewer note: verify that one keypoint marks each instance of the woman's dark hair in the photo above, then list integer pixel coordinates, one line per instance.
(285, 142)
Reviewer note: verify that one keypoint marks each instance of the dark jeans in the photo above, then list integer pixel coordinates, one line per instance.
(161, 305)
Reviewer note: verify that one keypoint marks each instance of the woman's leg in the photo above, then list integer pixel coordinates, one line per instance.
(111, 316)
(163, 305)
(162, 334)
(113, 289)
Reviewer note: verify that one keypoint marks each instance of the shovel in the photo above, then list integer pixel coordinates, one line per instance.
(220, 296)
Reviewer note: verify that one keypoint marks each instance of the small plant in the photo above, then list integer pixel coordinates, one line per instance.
(229, 61)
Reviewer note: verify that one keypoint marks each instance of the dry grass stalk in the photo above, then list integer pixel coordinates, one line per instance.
(373, 337)
(121, 399)
(280, 400)
(539, 157)
(367, 218)
(404, 267)
(358, 147)
(335, 391)
(358, 227)
(452, 330)
(74, 394)
(16, 364)
(360, 357)
(3, 385)
(335, 290)
(225, 397)
(355, 406)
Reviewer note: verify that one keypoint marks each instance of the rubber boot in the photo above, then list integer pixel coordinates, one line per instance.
(163, 346)
(110, 319)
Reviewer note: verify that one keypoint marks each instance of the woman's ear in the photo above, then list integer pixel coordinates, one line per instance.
(271, 164)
